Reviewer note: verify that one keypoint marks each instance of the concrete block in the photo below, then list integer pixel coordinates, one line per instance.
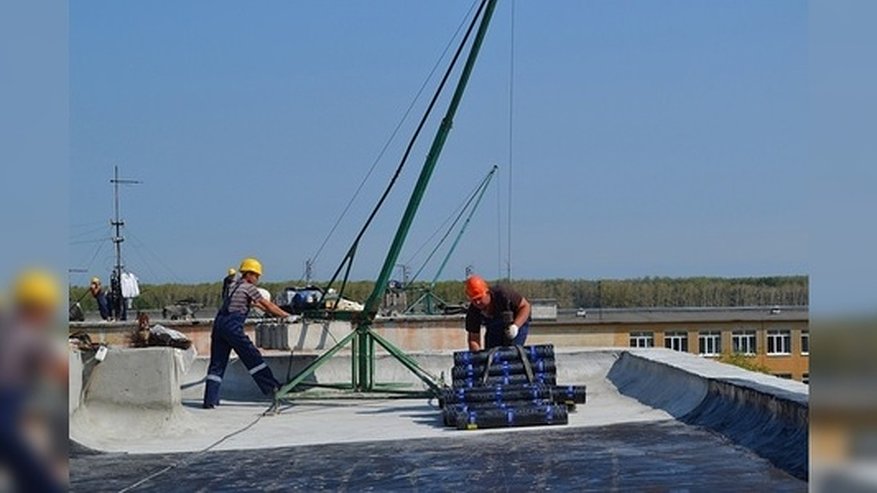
(142, 377)
(74, 383)
(132, 393)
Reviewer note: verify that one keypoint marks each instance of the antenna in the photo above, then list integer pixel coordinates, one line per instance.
(309, 271)
(117, 222)
(116, 286)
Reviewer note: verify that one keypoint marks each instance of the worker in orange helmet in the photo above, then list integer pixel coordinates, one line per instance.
(501, 310)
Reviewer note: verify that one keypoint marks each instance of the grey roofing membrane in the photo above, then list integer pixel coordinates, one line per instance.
(651, 456)
(654, 420)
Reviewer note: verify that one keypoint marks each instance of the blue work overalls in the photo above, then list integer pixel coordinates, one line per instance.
(228, 333)
(103, 305)
(495, 336)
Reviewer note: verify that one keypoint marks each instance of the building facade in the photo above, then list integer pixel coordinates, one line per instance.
(774, 338)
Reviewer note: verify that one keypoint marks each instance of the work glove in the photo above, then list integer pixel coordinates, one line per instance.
(511, 331)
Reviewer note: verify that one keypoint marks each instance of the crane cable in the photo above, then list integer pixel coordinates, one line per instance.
(351, 253)
(392, 137)
(466, 205)
(511, 131)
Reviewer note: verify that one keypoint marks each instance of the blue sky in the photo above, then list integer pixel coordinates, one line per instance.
(661, 138)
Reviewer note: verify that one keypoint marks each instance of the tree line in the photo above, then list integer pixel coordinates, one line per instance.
(569, 293)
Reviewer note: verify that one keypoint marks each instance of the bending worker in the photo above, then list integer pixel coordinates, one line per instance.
(502, 310)
(227, 282)
(228, 333)
(103, 305)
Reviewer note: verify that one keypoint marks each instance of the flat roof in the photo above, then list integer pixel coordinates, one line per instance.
(647, 456)
(614, 441)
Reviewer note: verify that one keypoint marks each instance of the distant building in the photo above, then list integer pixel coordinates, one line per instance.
(777, 338)
(543, 309)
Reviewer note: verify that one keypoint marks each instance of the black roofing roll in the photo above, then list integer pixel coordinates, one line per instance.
(495, 393)
(503, 368)
(468, 406)
(508, 353)
(543, 378)
(548, 414)
(451, 412)
(569, 394)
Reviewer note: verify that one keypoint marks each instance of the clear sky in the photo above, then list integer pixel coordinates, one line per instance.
(654, 138)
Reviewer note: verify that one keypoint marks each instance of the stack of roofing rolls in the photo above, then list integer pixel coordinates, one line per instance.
(507, 387)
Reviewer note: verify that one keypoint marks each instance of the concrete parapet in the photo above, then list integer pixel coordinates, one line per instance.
(132, 393)
(142, 392)
(766, 414)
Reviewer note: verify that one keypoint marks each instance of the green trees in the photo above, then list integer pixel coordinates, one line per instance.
(569, 293)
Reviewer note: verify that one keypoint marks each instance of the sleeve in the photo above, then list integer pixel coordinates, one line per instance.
(512, 298)
(253, 294)
(473, 320)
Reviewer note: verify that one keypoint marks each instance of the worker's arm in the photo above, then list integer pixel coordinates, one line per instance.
(523, 312)
(270, 307)
(474, 341)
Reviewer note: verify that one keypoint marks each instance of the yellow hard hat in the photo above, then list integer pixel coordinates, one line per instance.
(37, 288)
(95, 280)
(250, 264)
(232, 272)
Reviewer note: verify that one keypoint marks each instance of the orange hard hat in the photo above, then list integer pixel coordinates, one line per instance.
(476, 287)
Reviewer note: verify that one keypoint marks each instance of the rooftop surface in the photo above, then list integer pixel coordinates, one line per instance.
(654, 456)
(623, 438)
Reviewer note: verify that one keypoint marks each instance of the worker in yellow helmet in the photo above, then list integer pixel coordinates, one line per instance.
(103, 304)
(26, 358)
(228, 333)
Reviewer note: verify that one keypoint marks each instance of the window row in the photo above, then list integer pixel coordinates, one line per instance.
(709, 342)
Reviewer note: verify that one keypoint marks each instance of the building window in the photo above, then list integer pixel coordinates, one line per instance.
(779, 342)
(710, 342)
(743, 341)
(805, 342)
(642, 339)
(806, 378)
(786, 376)
(677, 341)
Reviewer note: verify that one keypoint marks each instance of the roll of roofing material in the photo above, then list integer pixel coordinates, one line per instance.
(569, 395)
(543, 378)
(508, 353)
(550, 414)
(504, 393)
(452, 412)
(503, 368)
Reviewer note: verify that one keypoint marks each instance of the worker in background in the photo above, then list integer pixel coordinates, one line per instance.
(103, 305)
(503, 311)
(228, 333)
(227, 282)
(29, 361)
(117, 302)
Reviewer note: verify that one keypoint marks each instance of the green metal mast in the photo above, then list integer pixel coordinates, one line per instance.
(363, 338)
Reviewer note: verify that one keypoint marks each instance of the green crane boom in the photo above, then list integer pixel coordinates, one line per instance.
(363, 338)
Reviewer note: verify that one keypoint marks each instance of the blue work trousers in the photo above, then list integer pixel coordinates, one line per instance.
(228, 333)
